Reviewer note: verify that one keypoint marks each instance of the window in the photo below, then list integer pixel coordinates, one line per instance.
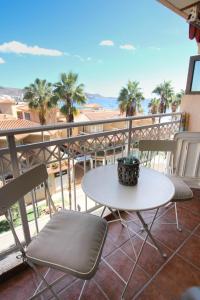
(196, 77)
(193, 80)
(27, 116)
(19, 115)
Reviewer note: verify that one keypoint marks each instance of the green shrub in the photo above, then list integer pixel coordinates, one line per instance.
(4, 226)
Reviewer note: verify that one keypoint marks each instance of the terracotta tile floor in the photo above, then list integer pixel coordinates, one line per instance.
(154, 278)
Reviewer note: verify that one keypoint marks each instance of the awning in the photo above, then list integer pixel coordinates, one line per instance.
(180, 7)
(184, 8)
(194, 32)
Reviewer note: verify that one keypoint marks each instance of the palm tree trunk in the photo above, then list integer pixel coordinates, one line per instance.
(69, 119)
(42, 122)
(68, 129)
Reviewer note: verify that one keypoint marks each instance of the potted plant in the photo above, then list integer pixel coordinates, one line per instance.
(128, 170)
(54, 165)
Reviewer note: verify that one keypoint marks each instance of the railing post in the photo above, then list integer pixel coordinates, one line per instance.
(129, 136)
(16, 173)
(159, 127)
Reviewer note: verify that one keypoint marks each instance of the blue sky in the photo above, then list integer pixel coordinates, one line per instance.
(107, 42)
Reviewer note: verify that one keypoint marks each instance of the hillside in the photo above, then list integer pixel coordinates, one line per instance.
(12, 92)
(18, 93)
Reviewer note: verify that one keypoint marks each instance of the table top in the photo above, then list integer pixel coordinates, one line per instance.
(153, 190)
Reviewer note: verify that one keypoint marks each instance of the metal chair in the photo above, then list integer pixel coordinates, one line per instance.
(187, 157)
(71, 242)
(160, 155)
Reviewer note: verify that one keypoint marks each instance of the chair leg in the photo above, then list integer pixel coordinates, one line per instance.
(176, 214)
(81, 293)
(43, 279)
(103, 211)
(176, 222)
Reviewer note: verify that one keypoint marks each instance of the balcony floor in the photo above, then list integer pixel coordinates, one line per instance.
(155, 277)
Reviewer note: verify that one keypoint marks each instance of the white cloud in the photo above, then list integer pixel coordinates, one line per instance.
(106, 43)
(20, 48)
(2, 61)
(127, 47)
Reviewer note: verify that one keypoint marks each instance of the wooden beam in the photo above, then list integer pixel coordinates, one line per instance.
(173, 8)
(191, 5)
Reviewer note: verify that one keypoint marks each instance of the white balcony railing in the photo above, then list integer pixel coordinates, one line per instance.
(67, 159)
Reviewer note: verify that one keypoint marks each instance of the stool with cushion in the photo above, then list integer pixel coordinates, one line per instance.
(149, 149)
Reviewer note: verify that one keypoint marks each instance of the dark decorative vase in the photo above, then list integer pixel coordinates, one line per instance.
(128, 170)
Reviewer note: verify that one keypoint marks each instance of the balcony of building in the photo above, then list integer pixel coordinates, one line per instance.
(67, 160)
(94, 143)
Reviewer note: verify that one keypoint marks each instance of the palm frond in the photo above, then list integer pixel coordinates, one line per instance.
(39, 97)
(130, 98)
(70, 92)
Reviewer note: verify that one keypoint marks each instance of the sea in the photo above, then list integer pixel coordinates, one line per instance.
(112, 103)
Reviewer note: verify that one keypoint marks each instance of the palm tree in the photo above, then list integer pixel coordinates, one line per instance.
(40, 98)
(70, 93)
(176, 101)
(130, 98)
(153, 107)
(165, 91)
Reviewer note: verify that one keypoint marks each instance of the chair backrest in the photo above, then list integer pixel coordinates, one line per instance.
(20, 186)
(157, 154)
(187, 157)
(157, 145)
(183, 159)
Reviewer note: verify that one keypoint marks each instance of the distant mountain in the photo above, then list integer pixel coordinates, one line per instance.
(94, 96)
(12, 92)
(18, 94)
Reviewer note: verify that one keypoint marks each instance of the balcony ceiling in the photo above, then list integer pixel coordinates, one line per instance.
(180, 7)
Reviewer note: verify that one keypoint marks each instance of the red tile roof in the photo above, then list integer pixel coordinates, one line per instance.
(101, 115)
(7, 99)
(14, 124)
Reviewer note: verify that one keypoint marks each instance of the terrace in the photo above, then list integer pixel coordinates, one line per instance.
(155, 278)
(71, 158)
(67, 160)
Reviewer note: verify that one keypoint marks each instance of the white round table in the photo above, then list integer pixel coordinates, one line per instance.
(153, 190)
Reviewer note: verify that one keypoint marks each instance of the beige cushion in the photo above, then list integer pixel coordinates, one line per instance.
(71, 242)
(182, 190)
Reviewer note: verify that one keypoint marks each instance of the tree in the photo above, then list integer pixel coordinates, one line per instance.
(165, 91)
(176, 101)
(69, 93)
(130, 98)
(40, 98)
(153, 107)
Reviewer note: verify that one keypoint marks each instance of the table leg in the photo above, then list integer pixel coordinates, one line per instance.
(128, 231)
(145, 226)
(104, 208)
(140, 252)
(112, 212)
